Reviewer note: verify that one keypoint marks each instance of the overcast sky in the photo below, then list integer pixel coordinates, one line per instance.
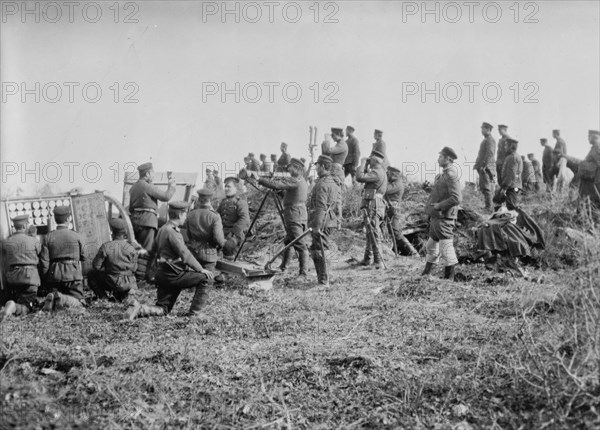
(371, 66)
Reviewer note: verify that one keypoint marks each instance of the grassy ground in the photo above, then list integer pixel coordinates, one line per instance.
(385, 349)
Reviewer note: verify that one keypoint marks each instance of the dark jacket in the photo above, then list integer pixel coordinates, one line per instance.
(21, 254)
(353, 156)
(119, 259)
(62, 254)
(486, 156)
(143, 204)
(204, 233)
(294, 200)
(512, 172)
(169, 246)
(235, 217)
(445, 191)
(324, 194)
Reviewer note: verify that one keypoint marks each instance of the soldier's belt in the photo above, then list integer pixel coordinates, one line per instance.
(168, 260)
(22, 265)
(153, 211)
(64, 260)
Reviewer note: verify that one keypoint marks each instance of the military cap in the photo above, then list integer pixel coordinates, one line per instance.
(543, 140)
(556, 131)
(393, 169)
(487, 125)
(144, 166)
(251, 154)
(273, 155)
(203, 192)
(449, 152)
(298, 163)
(284, 144)
(232, 178)
(118, 225)
(376, 153)
(502, 126)
(349, 127)
(263, 156)
(20, 220)
(378, 131)
(510, 140)
(208, 169)
(338, 131)
(323, 159)
(178, 205)
(594, 132)
(530, 155)
(62, 210)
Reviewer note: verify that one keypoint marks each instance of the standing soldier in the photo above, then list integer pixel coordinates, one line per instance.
(114, 265)
(353, 157)
(393, 196)
(60, 261)
(338, 154)
(21, 254)
(177, 270)
(537, 171)
(512, 179)
(502, 129)
(264, 164)
(589, 171)
(218, 181)
(380, 146)
(372, 173)
(442, 209)
(143, 205)
(560, 142)
(254, 165)
(204, 231)
(485, 165)
(235, 217)
(322, 218)
(211, 182)
(528, 176)
(294, 210)
(273, 164)
(547, 164)
(284, 159)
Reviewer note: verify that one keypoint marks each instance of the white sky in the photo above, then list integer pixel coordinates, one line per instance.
(370, 54)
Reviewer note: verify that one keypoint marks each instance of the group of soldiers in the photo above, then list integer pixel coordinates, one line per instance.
(515, 175)
(188, 246)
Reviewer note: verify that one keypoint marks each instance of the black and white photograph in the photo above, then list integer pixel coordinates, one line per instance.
(311, 214)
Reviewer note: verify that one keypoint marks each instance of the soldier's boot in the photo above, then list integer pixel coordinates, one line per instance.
(366, 261)
(427, 270)
(198, 302)
(315, 259)
(285, 259)
(303, 262)
(377, 260)
(323, 277)
(139, 310)
(405, 247)
(449, 272)
(489, 205)
(64, 301)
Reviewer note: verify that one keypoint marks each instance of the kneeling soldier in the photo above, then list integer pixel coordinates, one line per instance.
(62, 254)
(322, 219)
(20, 260)
(177, 269)
(442, 209)
(114, 265)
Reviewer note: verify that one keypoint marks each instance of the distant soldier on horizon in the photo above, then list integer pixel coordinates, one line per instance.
(589, 171)
(537, 170)
(547, 163)
(338, 154)
(353, 158)
(502, 129)
(485, 165)
(380, 146)
(264, 164)
(512, 179)
(560, 144)
(528, 176)
(284, 159)
(253, 163)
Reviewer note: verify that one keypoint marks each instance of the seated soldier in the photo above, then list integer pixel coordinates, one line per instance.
(20, 254)
(234, 216)
(114, 266)
(60, 261)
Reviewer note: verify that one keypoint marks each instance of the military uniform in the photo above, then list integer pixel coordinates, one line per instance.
(512, 181)
(353, 157)
(236, 221)
(528, 176)
(338, 154)
(393, 197)
(447, 195)
(560, 145)
(485, 165)
(204, 235)
(143, 207)
(501, 155)
(537, 171)
(60, 262)
(21, 254)
(381, 147)
(589, 174)
(253, 164)
(375, 181)
(294, 212)
(322, 219)
(283, 162)
(547, 164)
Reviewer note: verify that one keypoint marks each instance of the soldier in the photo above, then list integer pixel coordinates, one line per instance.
(393, 196)
(380, 146)
(143, 205)
(338, 154)
(114, 265)
(177, 270)
(353, 157)
(560, 142)
(273, 164)
(284, 159)
(60, 262)
(564, 175)
(372, 173)
(537, 171)
(322, 219)
(512, 179)
(528, 176)
(210, 182)
(589, 171)
(21, 254)
(264, 166)
(218, 181)
(485, 165)
(547, 163)
(294, 210)
(235, 217)
(502, 129)
(253, 163)
(442, 208)
(204, 231)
